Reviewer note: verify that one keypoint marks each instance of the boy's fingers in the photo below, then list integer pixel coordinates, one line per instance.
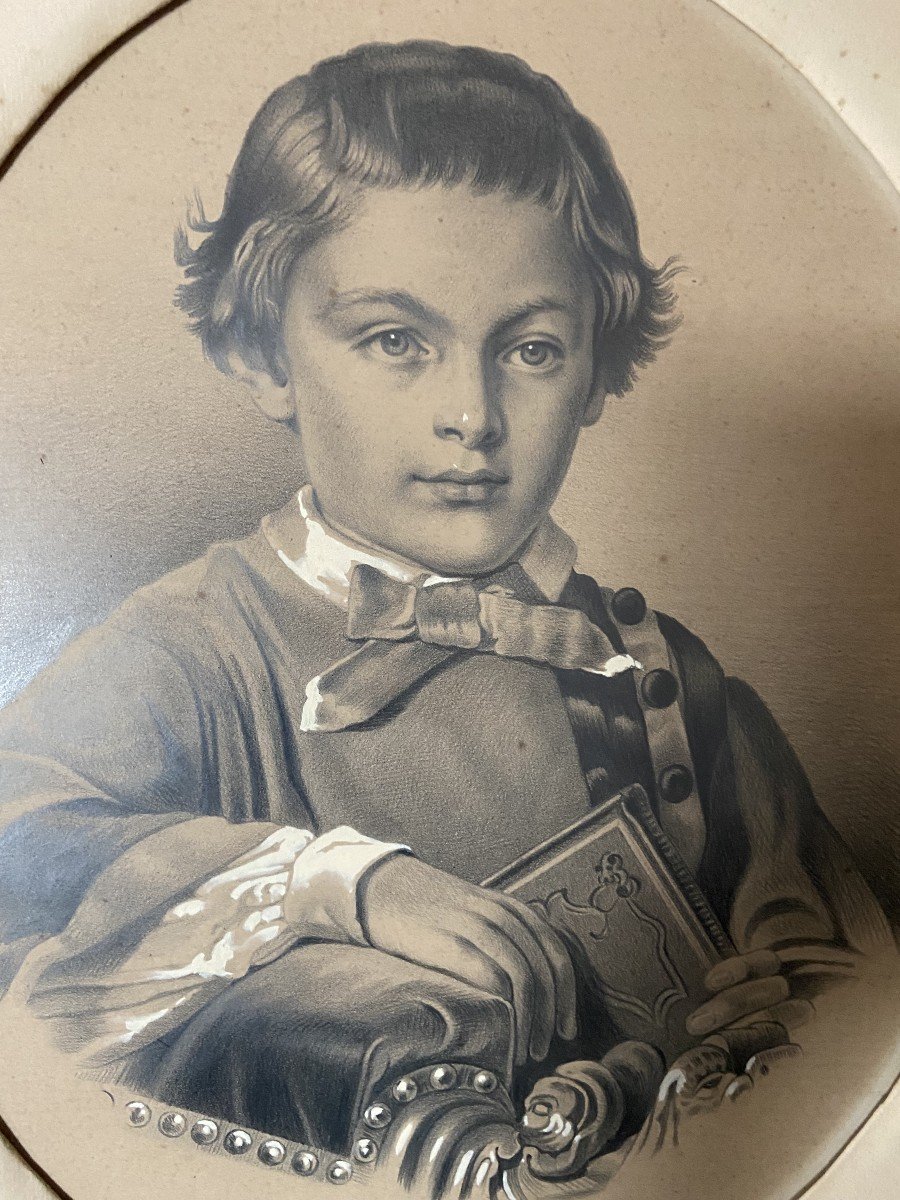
(815, 952)
(563, 975)
(549, 953)
(737, 1002)
(532, 983)
(520, 985)
(551, 949)
(547, 993)
(490, 965)
(790, 1013)
(755, 965)
(468, 962)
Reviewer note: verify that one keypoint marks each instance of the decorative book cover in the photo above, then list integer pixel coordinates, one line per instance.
(614, 885)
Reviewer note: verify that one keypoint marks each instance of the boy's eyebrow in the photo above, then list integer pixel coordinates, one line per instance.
(531, 308)
(397, 299)
(424, 312)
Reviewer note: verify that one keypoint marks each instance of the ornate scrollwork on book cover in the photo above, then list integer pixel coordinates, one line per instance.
(638, 926)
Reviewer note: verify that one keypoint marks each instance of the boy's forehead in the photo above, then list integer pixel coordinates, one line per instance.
(445, 243)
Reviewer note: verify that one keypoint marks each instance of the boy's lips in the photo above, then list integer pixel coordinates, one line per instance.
(464, 487)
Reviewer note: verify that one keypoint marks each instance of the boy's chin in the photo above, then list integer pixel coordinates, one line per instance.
(466, 558)
(456, 541)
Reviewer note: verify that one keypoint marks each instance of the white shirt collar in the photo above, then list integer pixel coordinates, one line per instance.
(324, 559)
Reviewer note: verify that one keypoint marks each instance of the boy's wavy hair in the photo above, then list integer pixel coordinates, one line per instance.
(414, 114)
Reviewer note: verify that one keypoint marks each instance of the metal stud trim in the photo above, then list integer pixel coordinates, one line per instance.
(443, 1077)
(305, 1162)
(204, 1132)
(365, 1150)
(271, 1152)
(377, 1116)
(172, 1124)
(405, 1089)
(139, 1113)
(484, 1082)
(436, 1079)
(340, 1171)
(237, 1141)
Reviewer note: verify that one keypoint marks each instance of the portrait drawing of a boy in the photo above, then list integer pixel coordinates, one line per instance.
(246, 819)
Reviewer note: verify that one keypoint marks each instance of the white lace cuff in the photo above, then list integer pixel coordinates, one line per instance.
(293, 886)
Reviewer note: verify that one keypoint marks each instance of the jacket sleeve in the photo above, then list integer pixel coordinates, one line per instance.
(799, 892)
(126, 899)
(108, 794)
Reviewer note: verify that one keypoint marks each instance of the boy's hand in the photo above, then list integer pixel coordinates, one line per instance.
(480, 936)
(747, 986)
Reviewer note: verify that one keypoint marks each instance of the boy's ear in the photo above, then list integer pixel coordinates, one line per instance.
(595, 403)
(273, 397)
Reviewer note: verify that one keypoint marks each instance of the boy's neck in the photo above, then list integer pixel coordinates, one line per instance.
(406, 568)
(324, 557)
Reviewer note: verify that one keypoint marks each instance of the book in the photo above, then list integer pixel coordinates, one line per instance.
(642, 932)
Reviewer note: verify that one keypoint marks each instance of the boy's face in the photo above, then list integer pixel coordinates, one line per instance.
(439, 351)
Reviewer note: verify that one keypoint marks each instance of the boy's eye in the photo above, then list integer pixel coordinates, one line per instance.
(394, 343)
(534, 354)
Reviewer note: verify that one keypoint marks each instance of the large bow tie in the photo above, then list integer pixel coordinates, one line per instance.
(408, 631)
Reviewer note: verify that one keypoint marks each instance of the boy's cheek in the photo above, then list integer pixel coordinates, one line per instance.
(539, 467)
(366, 430)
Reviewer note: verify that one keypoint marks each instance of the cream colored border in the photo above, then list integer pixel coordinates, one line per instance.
(850, 52)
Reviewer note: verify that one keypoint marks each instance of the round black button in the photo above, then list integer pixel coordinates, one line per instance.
(659, 688)
(629, 606)
(675, 783)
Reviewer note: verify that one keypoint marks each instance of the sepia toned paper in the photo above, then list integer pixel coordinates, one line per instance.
(644, 447)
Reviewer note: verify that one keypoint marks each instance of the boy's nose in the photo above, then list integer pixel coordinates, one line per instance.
(467, 411)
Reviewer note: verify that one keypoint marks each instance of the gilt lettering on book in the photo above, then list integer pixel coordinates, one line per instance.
(637, 925)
